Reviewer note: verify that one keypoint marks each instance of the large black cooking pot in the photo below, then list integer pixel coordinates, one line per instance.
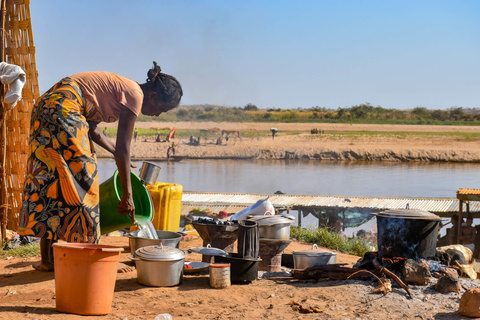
(407, 233)
(242, 270)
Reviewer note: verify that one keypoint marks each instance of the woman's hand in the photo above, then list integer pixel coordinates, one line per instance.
(127, 207)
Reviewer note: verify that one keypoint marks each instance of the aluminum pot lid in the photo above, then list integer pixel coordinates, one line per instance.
(271, 220)
(208, 251)
(314, 252)
(409, 214)
(159, 252)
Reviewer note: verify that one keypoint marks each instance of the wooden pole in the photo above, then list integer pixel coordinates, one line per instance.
(459, 225)
(3, 134)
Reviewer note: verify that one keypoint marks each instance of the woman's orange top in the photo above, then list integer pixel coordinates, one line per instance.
(108, 95)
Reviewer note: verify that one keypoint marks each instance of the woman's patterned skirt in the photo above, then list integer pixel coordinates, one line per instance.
(61, 190)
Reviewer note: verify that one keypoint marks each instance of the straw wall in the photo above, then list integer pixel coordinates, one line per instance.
(19, 50)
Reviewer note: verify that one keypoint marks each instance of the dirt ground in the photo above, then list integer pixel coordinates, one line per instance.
(29, 294)
(430, 145)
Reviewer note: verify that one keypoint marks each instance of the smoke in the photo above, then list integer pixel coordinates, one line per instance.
(410, 238)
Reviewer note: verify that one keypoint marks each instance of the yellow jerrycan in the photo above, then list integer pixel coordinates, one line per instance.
(167, 205)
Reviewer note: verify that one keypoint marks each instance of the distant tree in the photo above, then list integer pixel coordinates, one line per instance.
(250, 107)
(182, 113)
(274, 110)
(420, 112)
(456, 113)
(439, 115)
(395, 115)
(362, 111)
(208, 115)
(341, 113)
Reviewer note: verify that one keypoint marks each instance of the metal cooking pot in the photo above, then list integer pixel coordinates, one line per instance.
(408, 233)
(273, 227)
(313, 257)
(159, 266)
(149, 173)
(166, 238)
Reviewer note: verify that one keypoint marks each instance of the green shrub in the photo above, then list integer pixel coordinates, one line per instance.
(325, 238)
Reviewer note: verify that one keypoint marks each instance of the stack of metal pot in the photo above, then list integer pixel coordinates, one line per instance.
(273, 227)
(159, 266)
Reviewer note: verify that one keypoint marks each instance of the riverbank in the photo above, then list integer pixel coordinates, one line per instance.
(340, 142)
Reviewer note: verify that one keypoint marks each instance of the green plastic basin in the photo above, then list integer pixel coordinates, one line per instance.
(110, 194)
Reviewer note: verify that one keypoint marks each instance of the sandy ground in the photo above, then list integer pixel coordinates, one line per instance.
(430, 145)
(29, 294)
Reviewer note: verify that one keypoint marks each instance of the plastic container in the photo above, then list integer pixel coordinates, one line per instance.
(110, 195)
(220, 275)
(167, 205)
(85, 276)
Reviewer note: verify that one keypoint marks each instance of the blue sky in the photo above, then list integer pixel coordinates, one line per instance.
(274, 54)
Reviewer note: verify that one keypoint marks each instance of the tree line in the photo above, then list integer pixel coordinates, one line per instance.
(363, 113)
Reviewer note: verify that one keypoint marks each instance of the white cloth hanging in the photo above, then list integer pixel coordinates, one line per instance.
(15, 77)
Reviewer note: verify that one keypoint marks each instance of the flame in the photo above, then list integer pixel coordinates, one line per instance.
(394, 259)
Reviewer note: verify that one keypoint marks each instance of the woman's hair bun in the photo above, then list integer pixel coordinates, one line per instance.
(166, 86)
(154, 72)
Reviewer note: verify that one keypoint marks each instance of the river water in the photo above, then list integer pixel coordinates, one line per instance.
(377, 179)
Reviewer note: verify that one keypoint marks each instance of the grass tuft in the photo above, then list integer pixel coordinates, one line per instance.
(328, 239)
(25, 251)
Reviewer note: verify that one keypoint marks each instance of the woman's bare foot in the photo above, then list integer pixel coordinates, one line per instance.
(44, 267)
(124, 268)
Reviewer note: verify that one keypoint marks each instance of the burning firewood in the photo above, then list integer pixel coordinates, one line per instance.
(384, 284)
(391, 275)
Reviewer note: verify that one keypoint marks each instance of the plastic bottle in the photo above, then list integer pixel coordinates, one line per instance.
(164, 316)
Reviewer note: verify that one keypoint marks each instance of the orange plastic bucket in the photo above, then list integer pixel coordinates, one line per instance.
(85, 276)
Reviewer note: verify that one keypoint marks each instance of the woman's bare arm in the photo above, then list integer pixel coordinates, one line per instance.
(126, 125)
